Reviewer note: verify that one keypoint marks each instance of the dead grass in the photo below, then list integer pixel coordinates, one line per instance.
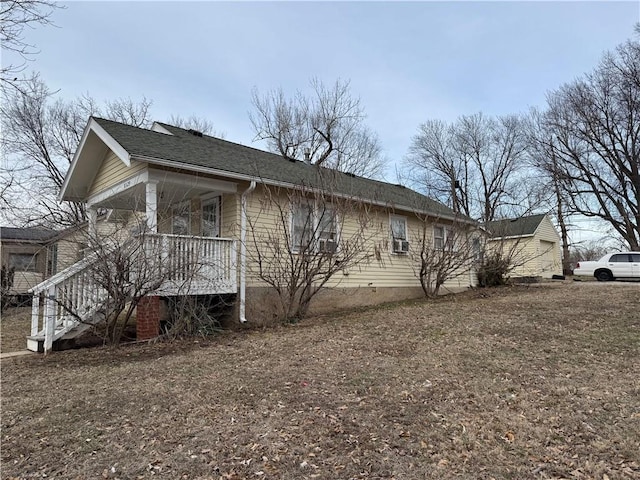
(526, 382)
(15, 325)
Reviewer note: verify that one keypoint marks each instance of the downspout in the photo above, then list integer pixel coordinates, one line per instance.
(243, 250)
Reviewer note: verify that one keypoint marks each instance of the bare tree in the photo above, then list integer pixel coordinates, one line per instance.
(505, 254)
(475, 165)
(595, 127)
(544, 159)
(17, 15)
(308, 245)
(443, 251)
(40, 137)
(200, 124)
(326, 128)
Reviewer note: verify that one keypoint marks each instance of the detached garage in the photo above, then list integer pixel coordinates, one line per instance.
(532, 242)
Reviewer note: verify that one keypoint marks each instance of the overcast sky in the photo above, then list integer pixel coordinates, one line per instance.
(408, 62)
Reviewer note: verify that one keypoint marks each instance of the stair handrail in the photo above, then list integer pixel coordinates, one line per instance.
(65, 274)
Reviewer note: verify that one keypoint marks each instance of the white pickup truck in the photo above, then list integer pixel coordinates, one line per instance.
(611, 267)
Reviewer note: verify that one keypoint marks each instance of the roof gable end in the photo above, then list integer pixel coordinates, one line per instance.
(95, 141)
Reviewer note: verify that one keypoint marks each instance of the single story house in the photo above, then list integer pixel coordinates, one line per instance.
(532, 242)
(239, 208)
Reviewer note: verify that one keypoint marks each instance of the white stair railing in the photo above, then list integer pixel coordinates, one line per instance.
(188, 266)
(68, 298)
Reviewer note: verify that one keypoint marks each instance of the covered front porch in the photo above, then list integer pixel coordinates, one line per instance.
(166, 241)
(178, 217)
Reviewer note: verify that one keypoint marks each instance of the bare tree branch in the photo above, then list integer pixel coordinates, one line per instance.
(40, 138)
(594, 125)
(326, 128)
(16, 15)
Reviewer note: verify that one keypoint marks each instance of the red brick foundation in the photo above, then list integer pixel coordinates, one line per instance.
(148, 318)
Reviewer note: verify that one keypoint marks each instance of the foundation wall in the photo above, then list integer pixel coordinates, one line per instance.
(262, 302)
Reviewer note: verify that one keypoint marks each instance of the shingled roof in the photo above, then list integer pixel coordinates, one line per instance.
(239, 161)
(514, 227)
(29, 234)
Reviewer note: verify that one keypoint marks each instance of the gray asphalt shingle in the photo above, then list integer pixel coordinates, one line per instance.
(191, 150)
(514, 227)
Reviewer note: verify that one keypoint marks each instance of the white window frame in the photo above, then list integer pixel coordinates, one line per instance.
(206, 202)
(310, 217)
(182, 207)
(315, 217)
(404, 238)
(439, 241)
(447, 232)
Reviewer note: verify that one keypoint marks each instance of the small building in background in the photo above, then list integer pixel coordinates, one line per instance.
(32, 256)
(532, 243)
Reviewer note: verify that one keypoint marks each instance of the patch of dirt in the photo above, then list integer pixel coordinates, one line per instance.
(520, 382)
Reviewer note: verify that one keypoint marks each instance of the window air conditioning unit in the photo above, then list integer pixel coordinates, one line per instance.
(327, 246)
(400, 246)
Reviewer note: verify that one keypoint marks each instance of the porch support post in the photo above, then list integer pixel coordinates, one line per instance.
(92, 213)
(152, 206)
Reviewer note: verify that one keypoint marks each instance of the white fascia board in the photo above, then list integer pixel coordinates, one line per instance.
(93, 126)
(110, 142)
(266, 181)
(510, 237)
(118, 188)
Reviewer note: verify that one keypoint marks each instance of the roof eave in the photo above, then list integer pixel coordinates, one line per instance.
(267, 181)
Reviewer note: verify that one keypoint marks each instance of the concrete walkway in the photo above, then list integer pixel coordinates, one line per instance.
(19, 353)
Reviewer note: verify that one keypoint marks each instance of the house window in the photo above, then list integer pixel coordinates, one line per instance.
(211, 218)
(443, 238)
(23, 262)
(52, 259)
(399, 240)
(398, 227)
(327, 230)
(478, 253)
(438, 237)
(328, 226)
(314, 229)
(301, 226)
(181, 219)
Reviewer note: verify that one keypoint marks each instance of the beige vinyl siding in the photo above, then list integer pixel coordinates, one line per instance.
(73, 246)
(537, 255)
(113, 171)
(550, 249)
(230, 213)
(70, 250)
(383, 268)
(23, 281)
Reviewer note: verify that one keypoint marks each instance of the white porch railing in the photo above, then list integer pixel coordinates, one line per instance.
(71, 301)
(194, 265)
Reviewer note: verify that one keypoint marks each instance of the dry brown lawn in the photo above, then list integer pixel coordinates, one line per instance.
(15, 325)
(523, 382)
